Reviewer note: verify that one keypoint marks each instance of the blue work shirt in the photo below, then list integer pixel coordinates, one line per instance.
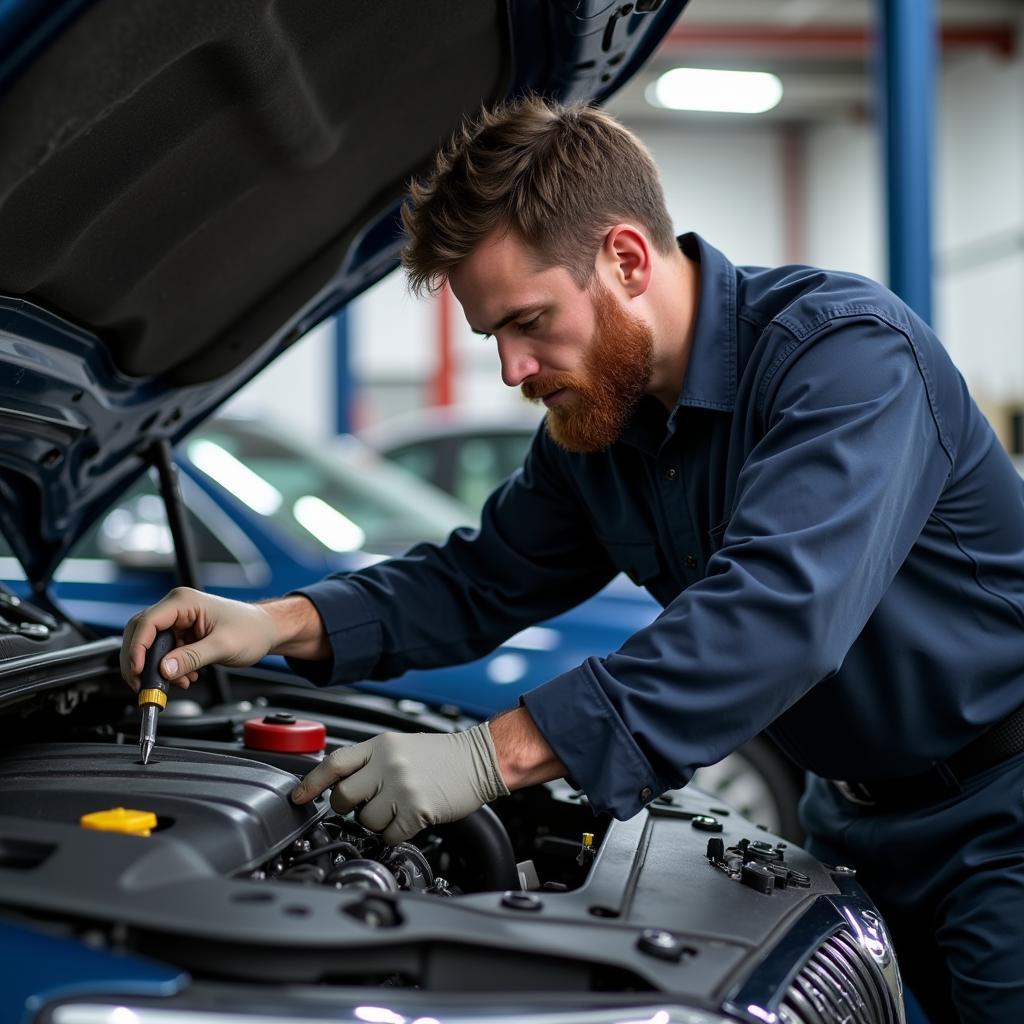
(830, 524)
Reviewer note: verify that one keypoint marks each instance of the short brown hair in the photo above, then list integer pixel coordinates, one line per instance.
(557, 176)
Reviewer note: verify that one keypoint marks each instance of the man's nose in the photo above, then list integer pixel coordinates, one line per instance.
(517, 362)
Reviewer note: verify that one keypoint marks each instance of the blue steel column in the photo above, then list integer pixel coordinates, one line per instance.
(906, 93)
(343, 383)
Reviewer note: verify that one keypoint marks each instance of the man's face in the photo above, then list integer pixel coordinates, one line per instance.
(575, 349)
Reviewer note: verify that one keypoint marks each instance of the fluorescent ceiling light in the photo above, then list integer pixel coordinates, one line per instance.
(339, 533)
(235, 476)
(726, 92)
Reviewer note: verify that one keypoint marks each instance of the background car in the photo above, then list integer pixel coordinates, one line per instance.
(465, 452)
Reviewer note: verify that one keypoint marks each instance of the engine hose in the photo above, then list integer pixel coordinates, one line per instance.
(318, 838)
(494, 863)
(338, 846)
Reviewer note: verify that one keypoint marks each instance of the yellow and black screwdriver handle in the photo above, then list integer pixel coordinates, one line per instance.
(154, 688)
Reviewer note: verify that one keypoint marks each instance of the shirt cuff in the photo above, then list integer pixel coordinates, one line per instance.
(596, 748)
(353, 632)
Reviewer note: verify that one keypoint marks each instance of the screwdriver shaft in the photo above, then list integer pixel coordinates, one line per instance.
(147, 736)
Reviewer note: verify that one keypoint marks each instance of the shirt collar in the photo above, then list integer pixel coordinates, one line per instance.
(710, 380)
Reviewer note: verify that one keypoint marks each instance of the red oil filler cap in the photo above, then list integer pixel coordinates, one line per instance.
(285, 734)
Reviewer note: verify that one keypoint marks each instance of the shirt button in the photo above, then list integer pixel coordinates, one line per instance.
(670, 474)
(646, 795)
(691, 562)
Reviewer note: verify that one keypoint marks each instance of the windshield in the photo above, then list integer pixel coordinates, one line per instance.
(337, 494)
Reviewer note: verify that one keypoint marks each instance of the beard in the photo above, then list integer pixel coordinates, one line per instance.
(600, 400)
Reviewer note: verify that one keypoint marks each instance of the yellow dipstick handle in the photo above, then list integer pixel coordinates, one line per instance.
(120, 819)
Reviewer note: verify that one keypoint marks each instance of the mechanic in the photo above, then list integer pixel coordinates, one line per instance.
(787, 460)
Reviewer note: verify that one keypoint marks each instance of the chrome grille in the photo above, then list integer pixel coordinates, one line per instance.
(840, 982)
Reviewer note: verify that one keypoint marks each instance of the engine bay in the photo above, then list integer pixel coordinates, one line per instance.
(234, 883)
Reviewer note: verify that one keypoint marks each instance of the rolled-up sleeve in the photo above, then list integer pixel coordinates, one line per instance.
(849, 464)
(534, 556)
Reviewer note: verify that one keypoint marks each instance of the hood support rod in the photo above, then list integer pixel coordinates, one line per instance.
(184, 548)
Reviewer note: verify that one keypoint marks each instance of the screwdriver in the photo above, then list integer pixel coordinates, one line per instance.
(153, 690)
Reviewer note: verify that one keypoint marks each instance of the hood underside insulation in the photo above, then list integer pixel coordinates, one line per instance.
(179, 178)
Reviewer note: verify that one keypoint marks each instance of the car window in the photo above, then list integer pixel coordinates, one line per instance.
(483, 462)
(420, 460)
(136, 526)
(322, 493)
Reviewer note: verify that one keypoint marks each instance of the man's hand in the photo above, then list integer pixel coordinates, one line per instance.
(408, 782)
(213, 630)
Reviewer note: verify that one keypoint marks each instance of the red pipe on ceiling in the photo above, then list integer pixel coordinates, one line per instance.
(837, 40)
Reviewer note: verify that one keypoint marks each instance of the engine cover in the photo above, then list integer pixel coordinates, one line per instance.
(223, 812)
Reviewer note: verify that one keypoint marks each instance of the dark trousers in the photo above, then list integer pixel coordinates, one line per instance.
(949, 881)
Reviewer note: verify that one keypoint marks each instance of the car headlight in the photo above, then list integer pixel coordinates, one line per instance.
(109, 1013)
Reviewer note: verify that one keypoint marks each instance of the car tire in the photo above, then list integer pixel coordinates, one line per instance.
(760, 782)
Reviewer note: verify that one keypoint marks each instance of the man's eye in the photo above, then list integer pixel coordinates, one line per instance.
(529, 325)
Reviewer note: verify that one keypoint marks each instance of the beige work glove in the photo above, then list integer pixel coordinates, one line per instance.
(409, 781)
(209, 630)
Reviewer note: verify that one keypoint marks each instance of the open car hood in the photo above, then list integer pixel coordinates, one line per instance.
(187, 188)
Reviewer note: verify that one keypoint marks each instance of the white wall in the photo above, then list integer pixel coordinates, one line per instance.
(297, 388)
(725, 184)
(393, 349)
(980, 224)
(843, 213)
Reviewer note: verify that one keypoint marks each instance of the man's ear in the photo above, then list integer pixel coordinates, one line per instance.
(626, 255)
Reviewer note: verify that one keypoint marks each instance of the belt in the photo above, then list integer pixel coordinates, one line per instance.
(944, 778)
